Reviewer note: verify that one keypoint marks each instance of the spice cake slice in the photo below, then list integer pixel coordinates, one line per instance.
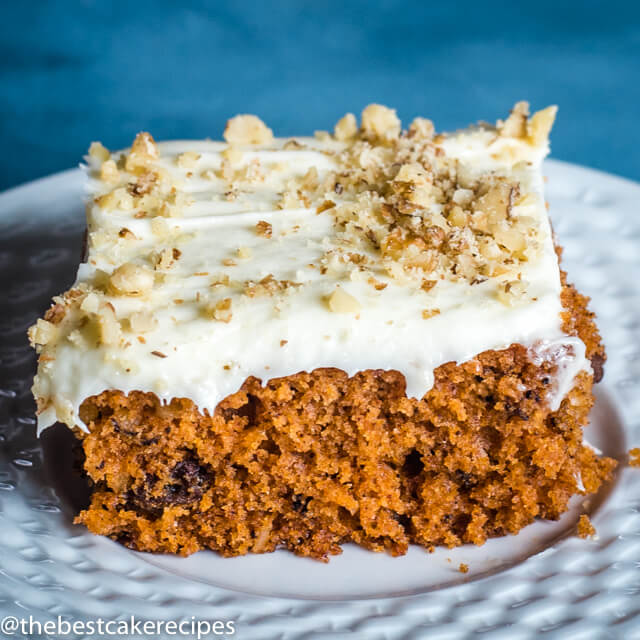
(363, 336)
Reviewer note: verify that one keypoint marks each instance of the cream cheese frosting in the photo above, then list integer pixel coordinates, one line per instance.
(209, 262)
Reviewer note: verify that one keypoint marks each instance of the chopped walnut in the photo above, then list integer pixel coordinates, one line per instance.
(167, 258)
(109, 328)
(221, 310)
(142, 322)
(91, 303)
(421, 129)
(342, 302)
(267, 286)
(427, 285)
(380, 122)
(42, 332)
(130, 279)
(376, 284)
(55, 313)
(247, 129)
(540, 124)
(109, 172)
(326, 204)
(264, 229)
(117, 199)
(143, 152)
(346, 128)
(430, 313)
(144, 184)
(495, 205)
(144, 144)
(99, 152)
(413, 183)
(515, 126)
(293, 199)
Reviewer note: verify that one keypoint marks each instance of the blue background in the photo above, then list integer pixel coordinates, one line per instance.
(72, 72)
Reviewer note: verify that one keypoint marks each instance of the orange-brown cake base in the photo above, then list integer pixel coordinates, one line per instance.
(314, 460)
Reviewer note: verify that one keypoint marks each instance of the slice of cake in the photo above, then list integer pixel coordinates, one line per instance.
(301, 342)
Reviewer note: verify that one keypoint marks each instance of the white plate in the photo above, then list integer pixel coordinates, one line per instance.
(541, 581)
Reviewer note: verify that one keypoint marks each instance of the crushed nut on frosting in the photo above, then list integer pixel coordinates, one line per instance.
(264, 229)
(346, 128)
(131, 279)
(221, 310)
(109, 172)
(142, 322)
(167, 258)
(339, 301)
(247, 129)
(380, 122)
(143, 153)
(98, 151)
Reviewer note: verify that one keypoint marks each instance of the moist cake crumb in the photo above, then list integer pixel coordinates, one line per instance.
(585, 528)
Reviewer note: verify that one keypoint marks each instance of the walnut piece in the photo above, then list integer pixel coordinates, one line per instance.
(421, 129)
(98, 151)
(142, 322)
(109, 328)
(119, 198)
(130, 279)
(515, 126)
(540, 124)
(264, 229)
(414, 184)
(91, 303)
(247, 129)
(109, 172)
(346, 128)
(143, 152)
(145, 145)
(221, 310)
(380, 122)
(167, 258)
(342, 302)
(42, 332)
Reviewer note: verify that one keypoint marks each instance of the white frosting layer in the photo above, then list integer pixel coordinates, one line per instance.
(187, 354)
